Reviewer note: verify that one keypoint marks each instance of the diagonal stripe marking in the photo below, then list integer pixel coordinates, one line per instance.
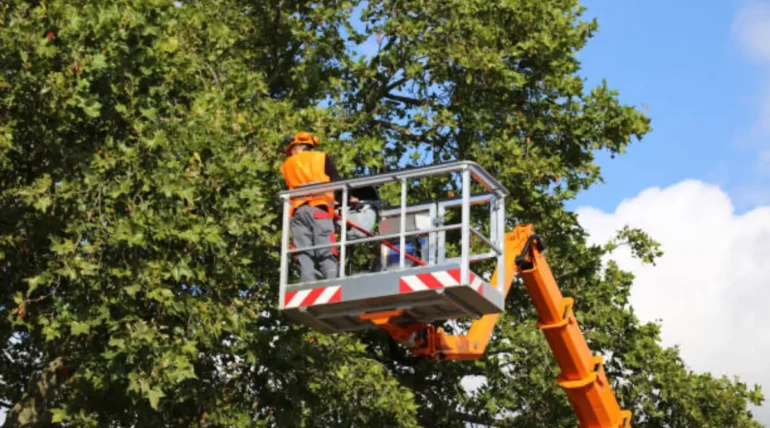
(445, 279)
(430, 281)
(337, 295)
(314, 293)
(414, 283)
(327, 294)
(477, 284)
(287, 297)
(455, 274)
(298, 298)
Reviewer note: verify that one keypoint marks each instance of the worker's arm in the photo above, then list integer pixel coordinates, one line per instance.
(330, 169)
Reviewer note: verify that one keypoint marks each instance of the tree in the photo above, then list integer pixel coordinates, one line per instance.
(140, 141)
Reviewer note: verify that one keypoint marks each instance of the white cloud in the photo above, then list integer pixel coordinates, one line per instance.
(711, 287)
(751, 27)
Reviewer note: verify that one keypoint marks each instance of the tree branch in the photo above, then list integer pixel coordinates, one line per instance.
(406, 100)
(473, 419)
(406, 133)
(389, 43)
(283, 61)
(214, 73)
(396, 84)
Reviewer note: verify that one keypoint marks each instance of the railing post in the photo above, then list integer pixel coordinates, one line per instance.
(402, 246)
(501, 268)
(493, 220)
(284, 248)
(466, 220)
(432, 242)
(441, 244)
(343, 232)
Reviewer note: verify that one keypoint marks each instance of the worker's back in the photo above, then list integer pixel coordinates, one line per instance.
(305, 168)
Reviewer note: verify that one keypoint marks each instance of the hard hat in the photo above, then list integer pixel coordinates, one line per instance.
(302, 137)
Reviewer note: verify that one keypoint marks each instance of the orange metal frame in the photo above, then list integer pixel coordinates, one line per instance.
(582, 374)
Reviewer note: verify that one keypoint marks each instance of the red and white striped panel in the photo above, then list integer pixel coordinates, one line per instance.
(313, 296)
(435, 280)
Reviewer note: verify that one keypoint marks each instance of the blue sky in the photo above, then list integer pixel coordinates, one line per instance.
(703, 68)
(686, 62)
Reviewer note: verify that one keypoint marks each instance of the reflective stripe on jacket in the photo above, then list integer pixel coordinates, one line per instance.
(305, 168)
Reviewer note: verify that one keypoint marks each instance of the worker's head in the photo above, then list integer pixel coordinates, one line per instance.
(301, 141)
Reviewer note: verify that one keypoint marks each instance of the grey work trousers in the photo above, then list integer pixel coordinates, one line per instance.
(312, 226)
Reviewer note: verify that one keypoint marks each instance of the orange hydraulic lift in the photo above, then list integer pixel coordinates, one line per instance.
(402, 299)
(582, 373)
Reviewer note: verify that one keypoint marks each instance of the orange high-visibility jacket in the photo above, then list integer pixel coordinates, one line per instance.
(305, 168)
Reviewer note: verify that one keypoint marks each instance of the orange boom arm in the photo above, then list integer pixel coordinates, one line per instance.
(582, 374)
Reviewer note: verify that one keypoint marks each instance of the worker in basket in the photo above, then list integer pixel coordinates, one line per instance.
(312, 216)
(362, 218)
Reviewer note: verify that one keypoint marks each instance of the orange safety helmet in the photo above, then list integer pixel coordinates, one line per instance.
(301, 137)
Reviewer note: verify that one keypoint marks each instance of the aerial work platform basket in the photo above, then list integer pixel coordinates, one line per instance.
(433, 279)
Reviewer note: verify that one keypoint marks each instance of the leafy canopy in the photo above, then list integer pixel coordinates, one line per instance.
(140, 144)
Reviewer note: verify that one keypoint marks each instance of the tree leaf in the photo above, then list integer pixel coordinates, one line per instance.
(98, 62)
(154, 395)
(58, 415)
(79, 328)
(131, 290)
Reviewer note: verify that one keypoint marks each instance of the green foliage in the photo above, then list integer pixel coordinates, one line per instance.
(140, 142)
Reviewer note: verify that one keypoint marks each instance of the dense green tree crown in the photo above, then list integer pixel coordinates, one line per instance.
(139, 233)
